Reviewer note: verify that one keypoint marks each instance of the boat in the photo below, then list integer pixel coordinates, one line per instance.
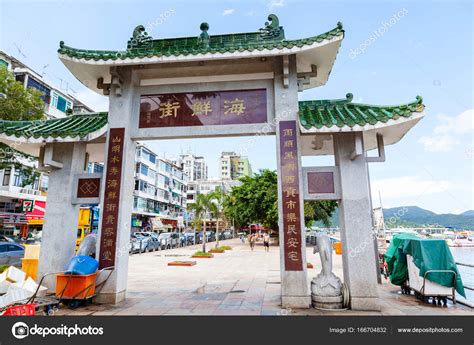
(461, 239)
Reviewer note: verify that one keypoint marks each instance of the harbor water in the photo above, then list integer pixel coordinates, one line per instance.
(465, 255)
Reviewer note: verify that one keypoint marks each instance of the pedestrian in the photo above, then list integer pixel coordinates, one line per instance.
(242, 238)
(266, 242)
(252, 241)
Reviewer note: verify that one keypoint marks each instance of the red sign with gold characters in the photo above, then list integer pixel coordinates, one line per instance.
(113, 180)
(203, 108)
(290, 196)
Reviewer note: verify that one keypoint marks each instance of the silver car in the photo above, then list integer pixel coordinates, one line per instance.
(168, 240)
(151, 240)
(11, 254)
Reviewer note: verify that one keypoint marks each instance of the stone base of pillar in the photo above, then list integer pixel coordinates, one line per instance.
(365, 303)
(300, 302)
(110, 297)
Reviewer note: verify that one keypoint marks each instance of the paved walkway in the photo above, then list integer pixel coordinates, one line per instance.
(237, 282)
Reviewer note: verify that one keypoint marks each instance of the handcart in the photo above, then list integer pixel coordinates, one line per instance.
(425, 289)
(71, 290)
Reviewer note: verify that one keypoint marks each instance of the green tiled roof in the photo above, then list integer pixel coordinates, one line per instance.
(142, 46)
(342, 112)
(312, 114)
(71, 126)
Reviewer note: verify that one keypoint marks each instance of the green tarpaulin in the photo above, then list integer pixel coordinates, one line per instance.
(427, 255)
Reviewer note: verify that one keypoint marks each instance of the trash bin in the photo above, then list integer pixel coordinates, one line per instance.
(338, 248)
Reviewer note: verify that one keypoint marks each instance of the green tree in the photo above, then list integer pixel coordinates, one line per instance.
(202, 207)
(18, 103)
(318, 210)
(218, 198)
(256, 201)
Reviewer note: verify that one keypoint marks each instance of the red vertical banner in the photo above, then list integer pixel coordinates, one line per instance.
(113, 181)
(290, 195)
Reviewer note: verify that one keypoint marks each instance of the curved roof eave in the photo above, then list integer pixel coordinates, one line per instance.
(322, 54)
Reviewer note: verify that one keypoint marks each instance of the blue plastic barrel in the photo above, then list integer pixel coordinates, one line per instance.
(82, 265)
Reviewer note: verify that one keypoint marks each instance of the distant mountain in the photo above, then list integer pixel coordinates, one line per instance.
(469, 213)
(414, 216)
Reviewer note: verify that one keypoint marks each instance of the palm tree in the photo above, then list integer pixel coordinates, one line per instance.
(218, 198)
(202, 207)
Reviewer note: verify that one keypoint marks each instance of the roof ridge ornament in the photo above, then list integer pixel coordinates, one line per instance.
(272, 30)
(204, 39)
(139, 37)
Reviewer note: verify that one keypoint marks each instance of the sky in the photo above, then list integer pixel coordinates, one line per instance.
(422, 48)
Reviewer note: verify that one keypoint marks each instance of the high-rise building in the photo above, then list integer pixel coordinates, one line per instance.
(233, 166)
(193, 166)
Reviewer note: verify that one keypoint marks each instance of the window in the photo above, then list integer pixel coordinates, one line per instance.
(60, 103)
(3, 63)
(144, 169)
(6, 177)
(18, 179)
(40, 87)
(14, 248)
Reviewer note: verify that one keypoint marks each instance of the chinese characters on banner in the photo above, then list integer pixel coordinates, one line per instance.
(203, 108)
(113, 179)
(290, 196)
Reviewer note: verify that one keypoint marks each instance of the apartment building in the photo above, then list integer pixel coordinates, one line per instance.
(160, 192)
(233, 166)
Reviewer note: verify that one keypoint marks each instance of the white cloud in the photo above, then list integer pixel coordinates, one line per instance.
(445, 135)
(93, 100)
(272, 4)
(228, 11)
(461, 124)
(438, 143)
(408, 187)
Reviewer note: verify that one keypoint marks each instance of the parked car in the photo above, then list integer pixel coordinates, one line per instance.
(4, 238)
(11, 254)
(210, 236)
(187, 238)
(138, 243)
(168, 240)
(227, 235)
(152, 241)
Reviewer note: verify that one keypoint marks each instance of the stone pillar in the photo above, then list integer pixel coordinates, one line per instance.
(358, 251)
(294, 282)
(58, 242)
(120, 116)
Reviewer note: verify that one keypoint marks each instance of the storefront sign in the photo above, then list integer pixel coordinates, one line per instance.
(290, 195)
(203, 108)
(27, 205)
(113, 180)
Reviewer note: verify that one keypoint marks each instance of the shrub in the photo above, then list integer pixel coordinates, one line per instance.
(201, 253)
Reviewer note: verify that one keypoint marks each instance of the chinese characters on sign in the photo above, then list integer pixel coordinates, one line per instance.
(290, 196)
(113, 181)
(203, 108)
